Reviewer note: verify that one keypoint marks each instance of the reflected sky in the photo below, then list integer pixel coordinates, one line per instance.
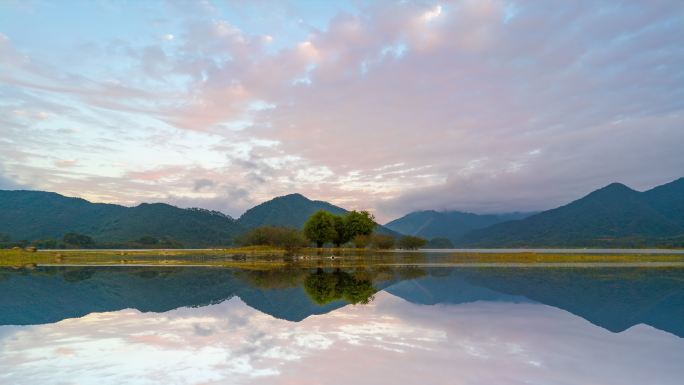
(387, 341)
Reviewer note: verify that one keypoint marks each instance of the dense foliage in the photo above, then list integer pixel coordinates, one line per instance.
(323, 227)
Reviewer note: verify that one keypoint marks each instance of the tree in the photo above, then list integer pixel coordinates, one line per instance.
(320, 228)
(409, 242)
(352, 224)
(359, 223)
(342, 234)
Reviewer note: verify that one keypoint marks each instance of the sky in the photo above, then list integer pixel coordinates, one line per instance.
(392, 106)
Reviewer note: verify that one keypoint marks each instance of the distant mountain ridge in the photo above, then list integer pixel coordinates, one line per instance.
(452, 225)
(292, 211)
(36, 215)
(613, 216)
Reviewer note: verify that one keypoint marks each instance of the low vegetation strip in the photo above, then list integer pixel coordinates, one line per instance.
(264, 257)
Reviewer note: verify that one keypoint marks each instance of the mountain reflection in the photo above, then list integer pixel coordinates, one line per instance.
(612, 298)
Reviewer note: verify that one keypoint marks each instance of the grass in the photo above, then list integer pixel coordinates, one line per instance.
(260, 257)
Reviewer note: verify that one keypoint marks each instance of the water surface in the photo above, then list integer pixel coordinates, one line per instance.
(372, 325)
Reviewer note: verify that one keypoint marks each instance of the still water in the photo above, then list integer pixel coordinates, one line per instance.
(371, 325)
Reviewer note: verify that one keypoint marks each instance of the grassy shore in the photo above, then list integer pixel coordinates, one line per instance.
(263, 257)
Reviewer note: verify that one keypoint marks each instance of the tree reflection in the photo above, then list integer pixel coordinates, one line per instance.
(324, 287)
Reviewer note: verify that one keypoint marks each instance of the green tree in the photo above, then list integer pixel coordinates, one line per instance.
(359, 223)
(342, 234)
(320, 228)
(352, 224)
(409, 242)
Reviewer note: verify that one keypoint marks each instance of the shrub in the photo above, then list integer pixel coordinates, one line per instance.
(409, 242)
(382, 241)
(289, 239)
(361, 241)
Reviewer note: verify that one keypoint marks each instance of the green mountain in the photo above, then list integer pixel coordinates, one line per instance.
(288, 211)
(614, 216)
(39, 215)
(452, 225)
(292, 211)
(668, 199)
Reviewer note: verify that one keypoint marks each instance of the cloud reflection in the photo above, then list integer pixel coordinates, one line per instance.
(387, 341)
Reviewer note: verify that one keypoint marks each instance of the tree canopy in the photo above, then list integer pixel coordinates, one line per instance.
(323, 227)
(320, 228)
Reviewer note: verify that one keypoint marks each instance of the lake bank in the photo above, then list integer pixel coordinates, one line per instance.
(265, 257)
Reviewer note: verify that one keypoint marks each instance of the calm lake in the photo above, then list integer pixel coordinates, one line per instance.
(371, 325)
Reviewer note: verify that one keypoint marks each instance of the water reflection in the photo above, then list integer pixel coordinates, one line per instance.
(294, 326)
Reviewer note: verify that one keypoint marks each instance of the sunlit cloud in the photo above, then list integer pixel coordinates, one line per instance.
(488, 105)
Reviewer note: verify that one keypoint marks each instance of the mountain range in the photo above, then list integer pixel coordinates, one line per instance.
(613, 216)
(35, 215)
(452, 225)
(292, 211)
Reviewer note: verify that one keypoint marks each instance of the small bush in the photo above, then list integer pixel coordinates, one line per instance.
(282, 237)
(409, 242)
(382, 241)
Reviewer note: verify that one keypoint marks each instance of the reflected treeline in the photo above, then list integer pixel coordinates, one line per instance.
(613, 298)
(324, 287)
